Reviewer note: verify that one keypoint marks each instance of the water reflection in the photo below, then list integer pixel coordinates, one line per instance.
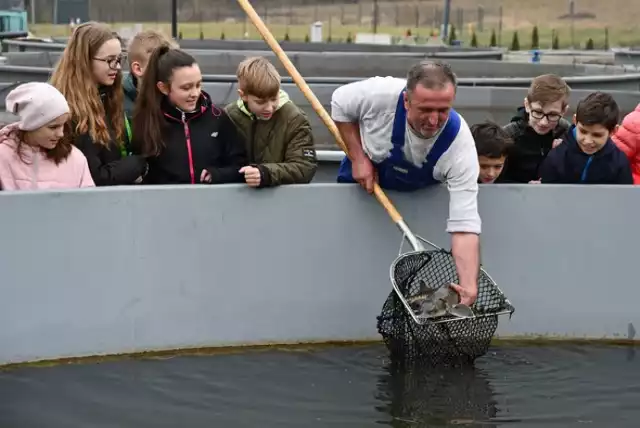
(524, 387)
(433, 398)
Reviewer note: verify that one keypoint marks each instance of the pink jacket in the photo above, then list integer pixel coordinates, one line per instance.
(39, 172)
(627, 138)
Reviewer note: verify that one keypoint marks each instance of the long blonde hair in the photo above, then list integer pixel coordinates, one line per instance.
(73, 77)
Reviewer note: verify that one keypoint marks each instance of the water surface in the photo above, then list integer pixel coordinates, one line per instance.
(550, 386)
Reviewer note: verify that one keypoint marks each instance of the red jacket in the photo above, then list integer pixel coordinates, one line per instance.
(627, 138)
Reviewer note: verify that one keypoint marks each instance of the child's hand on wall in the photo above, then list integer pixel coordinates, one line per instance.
(205, 176)
(251, 175)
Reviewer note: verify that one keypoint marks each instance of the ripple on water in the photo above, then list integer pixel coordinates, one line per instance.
(528, 386)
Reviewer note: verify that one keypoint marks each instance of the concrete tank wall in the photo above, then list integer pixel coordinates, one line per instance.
(312, 64)
(127, 269)
(241, 45)
(476, 104)
(626, 56)
(608, 82)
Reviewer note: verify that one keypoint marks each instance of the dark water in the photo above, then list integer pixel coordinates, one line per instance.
(558, 386)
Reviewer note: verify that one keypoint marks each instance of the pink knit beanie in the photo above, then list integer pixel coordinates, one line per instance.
(36, 103)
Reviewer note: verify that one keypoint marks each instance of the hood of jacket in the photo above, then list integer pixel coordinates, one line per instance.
(574, 149)
(283, 98)
(130, 87)
(8, 136)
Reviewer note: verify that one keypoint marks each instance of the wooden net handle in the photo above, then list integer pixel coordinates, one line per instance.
(315, 103)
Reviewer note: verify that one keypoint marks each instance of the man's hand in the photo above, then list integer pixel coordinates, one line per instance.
(251, 175)
(556, 143)
(468, 295)
(364, 172)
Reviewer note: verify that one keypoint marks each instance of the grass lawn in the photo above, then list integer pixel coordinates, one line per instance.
(236, 30)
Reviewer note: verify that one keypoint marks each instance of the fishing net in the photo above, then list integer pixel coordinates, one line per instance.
(447, 340)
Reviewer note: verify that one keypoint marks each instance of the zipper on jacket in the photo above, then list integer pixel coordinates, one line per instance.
(254, 127)
(187, 135)
(583, 176)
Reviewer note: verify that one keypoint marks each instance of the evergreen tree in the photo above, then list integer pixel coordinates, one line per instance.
(494, 41)
(515, 42)
(589, 46)
(535, 42)
(452, 35)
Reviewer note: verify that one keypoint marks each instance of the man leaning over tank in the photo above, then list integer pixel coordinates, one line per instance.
(405, 134)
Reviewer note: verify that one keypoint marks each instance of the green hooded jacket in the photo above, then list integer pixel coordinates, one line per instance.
(282, 148)
(129, 85)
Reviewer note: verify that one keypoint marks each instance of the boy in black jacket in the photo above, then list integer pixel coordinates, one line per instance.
(587, 155)
(537, 127)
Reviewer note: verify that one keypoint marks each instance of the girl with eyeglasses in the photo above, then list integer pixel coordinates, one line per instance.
(89, 76)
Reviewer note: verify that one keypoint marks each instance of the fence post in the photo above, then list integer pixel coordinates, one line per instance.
(445, 19)
(174, 19)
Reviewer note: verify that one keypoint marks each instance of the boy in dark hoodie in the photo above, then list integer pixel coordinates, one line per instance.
(587, 155)
(537, 128)
(492, 145)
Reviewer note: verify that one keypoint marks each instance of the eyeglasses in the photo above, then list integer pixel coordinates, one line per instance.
(551, 117)
(113, 63)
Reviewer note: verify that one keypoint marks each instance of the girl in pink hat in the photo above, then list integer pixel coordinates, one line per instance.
(33, 154)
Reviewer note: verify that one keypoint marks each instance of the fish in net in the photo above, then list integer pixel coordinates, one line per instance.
(446, 338)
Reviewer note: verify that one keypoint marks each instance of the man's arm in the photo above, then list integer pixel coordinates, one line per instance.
(347, 107)
(350, 133)
(465, 247)
(464, 222)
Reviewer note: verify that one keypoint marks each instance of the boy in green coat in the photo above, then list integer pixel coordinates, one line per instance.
(278, 134)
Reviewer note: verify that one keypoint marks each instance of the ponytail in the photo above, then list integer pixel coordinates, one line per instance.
(147, 113)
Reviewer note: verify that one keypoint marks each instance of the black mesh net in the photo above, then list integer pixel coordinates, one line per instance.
(450, 340)
(436, 397)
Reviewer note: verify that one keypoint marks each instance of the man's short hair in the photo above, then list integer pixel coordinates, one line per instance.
(491, 139)
(258, 77)
(598, 108)
(547, 89)
(431, 75)
(143, 44)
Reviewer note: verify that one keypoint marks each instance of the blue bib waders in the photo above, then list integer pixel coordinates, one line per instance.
(396, 173)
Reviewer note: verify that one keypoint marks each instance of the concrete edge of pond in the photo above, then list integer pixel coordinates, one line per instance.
(197, 284)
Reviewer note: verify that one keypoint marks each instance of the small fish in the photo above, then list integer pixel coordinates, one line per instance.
(433, 303)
